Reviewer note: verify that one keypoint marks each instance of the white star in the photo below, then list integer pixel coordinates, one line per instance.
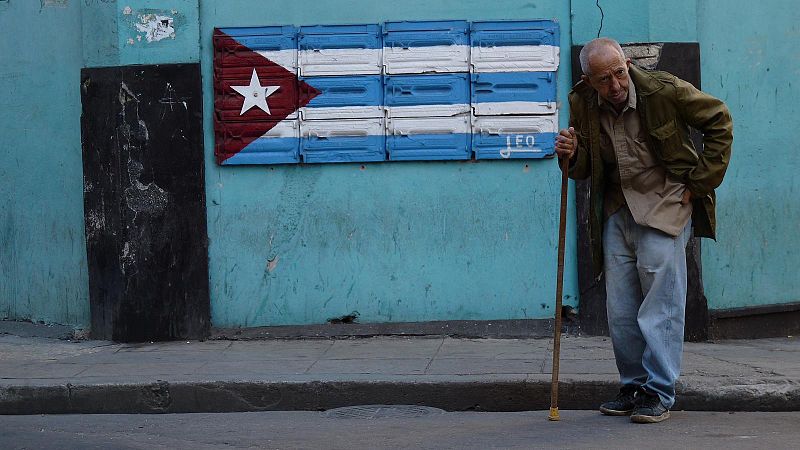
(255, 94)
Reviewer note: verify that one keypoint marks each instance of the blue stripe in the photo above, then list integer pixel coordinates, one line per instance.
(343, 149)
(490, 146)
(425, 34)
(429, 147)
(506, 33)
(433, 89)
(266, 150)
(340, 36)
(419, 147)
(265, 38)
(501, 25)
(514, 86)
(366, 90)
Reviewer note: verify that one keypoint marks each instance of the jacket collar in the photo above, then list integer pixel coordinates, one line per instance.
(644, 81)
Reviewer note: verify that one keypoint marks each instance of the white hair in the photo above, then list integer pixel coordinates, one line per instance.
(593, 46)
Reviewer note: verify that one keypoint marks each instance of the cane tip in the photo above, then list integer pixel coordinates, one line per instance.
(554, 417)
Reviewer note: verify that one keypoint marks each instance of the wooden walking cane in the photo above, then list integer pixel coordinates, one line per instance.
(562, 231)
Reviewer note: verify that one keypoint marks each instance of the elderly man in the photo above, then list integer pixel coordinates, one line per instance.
(629, 132)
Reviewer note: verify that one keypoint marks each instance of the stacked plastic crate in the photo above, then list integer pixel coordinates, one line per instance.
(426, 66)
(445, 90)
(345, 122)
(513, 88)
(256, 136)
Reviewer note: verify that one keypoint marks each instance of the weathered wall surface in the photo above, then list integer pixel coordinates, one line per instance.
(750, 59)
(139, 32)
(42, 245)
(394, 242)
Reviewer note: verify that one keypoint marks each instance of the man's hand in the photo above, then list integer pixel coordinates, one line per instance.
(566, 143)
(687, 197)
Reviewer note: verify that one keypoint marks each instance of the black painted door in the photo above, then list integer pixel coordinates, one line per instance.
(683, 61)
(144, 202)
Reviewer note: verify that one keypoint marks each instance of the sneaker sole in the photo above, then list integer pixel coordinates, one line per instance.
(638, 418)
(615, 412)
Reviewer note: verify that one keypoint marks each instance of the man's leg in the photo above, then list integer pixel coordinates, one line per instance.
(624, 297)
(661, 264)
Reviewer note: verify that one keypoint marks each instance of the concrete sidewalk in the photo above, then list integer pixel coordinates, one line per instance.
(47, 375)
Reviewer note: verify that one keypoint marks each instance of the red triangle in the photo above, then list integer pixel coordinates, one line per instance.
(233, 66)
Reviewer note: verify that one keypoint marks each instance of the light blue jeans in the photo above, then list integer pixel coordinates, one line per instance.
(645, 271)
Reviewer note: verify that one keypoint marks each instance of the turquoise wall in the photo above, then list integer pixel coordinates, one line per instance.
(397, 241)
(393, 241)
(634, 20)
(42, 246)
(111, 36)
(750, 59)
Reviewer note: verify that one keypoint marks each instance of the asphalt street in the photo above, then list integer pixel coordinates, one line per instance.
(371, 428)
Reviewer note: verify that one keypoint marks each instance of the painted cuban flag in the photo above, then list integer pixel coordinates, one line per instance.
(401, 91)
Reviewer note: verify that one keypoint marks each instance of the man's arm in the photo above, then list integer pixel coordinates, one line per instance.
(569, 143)
(709, 115)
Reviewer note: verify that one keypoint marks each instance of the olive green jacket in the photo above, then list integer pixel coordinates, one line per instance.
(668, 106)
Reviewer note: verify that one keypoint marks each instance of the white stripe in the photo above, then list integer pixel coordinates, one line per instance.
(340, 61)
(286, 128)
(341, 112)
(398, 60)
(428, 125)
(286, 58)
(480, 109)
(342, 128)
(433, 59)
(505, 125)
(515, 58)
(427, 110)
(503, 108)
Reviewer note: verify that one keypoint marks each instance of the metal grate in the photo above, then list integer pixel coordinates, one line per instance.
(370, 412)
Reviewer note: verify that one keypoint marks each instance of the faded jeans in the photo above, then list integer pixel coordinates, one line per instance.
(645, 271)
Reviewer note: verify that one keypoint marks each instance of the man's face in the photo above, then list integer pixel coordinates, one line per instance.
(609, 75)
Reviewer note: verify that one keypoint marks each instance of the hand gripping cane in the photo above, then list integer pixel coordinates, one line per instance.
(562, 229)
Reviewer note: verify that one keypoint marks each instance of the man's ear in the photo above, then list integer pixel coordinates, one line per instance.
(585, 79)
(628, 62)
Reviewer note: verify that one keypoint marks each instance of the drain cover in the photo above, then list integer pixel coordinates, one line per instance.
(369, 412)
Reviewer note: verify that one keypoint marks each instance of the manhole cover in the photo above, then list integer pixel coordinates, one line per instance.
(382, 412)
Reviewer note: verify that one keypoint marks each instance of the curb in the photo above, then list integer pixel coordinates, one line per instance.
(494, 396)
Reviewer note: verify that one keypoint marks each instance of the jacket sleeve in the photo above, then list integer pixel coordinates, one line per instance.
(579, 165)
(709, 115)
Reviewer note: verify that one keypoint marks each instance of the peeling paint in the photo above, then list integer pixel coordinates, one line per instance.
(645, 55)
(272, 264)
(126, 95)
(55, 3)
(127, 11)
(148, 198)
(156, 27)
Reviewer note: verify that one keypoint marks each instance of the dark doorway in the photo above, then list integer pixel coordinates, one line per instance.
(144, 202)
(683, 61)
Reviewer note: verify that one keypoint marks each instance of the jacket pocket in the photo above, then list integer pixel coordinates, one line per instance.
(668, 141)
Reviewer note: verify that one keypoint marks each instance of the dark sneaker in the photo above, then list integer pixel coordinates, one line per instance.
(623, 404)
(649, 409)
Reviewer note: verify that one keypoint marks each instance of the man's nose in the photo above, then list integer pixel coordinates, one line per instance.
(614, 83)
